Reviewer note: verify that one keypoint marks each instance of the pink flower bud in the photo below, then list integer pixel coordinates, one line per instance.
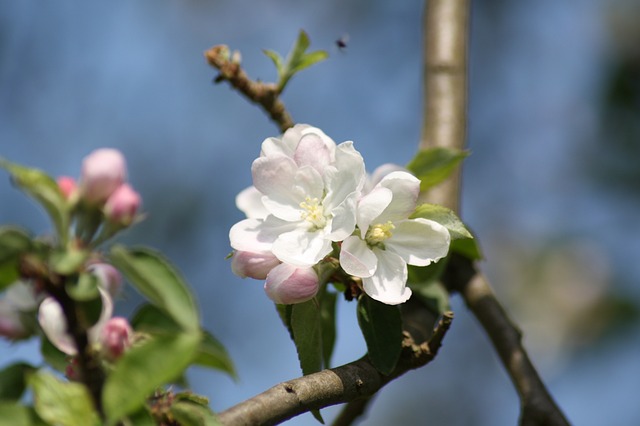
(67, 186)
(287, 284)
(109, 277)
(122, 206)
(116, 337)
(103, 171)
(254, 265)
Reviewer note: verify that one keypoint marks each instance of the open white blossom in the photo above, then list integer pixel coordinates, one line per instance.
(309, 188)
(387, 240)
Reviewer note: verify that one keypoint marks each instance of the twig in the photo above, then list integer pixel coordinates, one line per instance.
(264, 94)
(445, 62)
(349, 382)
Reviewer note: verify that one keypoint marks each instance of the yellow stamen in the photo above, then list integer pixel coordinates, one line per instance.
(313, 212)
(378, 233)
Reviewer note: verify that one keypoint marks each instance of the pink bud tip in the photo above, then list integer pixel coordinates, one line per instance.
(287, 284)
(67, 186)
(103, 171)
(122, 206)
(116, 337)
(253, 265)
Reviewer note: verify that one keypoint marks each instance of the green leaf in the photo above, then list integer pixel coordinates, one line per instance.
(143, 368)
(434, 165)
(13, 380)
(42, 188)
(277, 60)
(211, 353)
(84, 288)
(467, 247)
(381, 327)
(62, 403)
(307, 335)
(53, 356)
(284, 311)
(445, 217)
(328, 324)
(14, 242)
(67, 262)
(188, 413)
(158, 281)
(139, 418)
(297, 59)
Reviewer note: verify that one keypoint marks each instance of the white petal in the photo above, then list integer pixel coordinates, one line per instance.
(274, 177)
(54, 324)
(301, 248)
(347, 175)
(343, 221)
(356, 258)
(388, 284)
(249, 201)
(371, 206)
(257, 235)
(419, 241)
(405, 188)
(329, 143)
(379, 173)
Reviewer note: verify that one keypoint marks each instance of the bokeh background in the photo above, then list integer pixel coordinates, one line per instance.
(552, 187)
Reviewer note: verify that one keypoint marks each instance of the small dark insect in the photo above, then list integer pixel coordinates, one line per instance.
(342, 42)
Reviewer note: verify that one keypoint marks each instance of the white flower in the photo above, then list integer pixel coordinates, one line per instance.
(309, 188)
(387, 240)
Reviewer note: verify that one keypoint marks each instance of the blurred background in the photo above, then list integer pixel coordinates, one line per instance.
(552, 187)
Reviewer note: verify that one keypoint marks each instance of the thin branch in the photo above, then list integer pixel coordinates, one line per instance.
(356, 380)
(264, 94)
(445, 117)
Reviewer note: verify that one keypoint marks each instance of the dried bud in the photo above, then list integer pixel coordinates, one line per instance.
(103, 171)
(253, 265)
(287, 284)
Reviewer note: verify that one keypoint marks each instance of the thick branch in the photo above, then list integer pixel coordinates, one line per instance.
(264, 94)
(445, 87)
(349, 382)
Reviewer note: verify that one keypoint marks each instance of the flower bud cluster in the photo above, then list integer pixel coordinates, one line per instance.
(312, 202)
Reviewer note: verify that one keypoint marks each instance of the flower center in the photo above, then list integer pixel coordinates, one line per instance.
(313, 212)
(378, 233)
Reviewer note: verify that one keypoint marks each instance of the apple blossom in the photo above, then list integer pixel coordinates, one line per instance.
(122, 205)
(387, 240)
(103, 171)
(287, 284)
(109, 278)
(115, 338)
(310, 188)
(254, 265)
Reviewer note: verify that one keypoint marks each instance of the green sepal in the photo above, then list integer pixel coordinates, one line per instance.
(142, 369)
(84, 287)
(43, 189)
(62, 403)
(193, 410)
(381, 327)
(434, 165)
(159, 281)
(67, 262)
(13, 381)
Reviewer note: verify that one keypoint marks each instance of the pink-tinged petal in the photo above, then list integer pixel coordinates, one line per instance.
(356, 258)
(249, 202)
(103, 171)
(313, 152)
(301, 248)
(284, 145)
(287, 284)
(345, 176)
(274, 177)
(116, 337)
(122, 205)
(257, 235)
(343, 222)
(371, 206)
(405, 188)
(419, 241)
(329, 143)
(254, 265)
(105, 315)
(389, 283)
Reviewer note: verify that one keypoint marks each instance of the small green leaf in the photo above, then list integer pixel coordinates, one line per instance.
(328, 323)
(67, 262)
(277, 60)
(13, 380)
(381, 327)
(13, 243)
(190, 414)
(305, 324)
(158, 281)
(284, 311)
(467, 247)
(141, 417)
(297, 59)
(143, 368)
(42, 188)
(425, 284)
(84, 288)
(211, 353)
(62, 403)
(445, 217)
(434, 165)
(53, 356)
